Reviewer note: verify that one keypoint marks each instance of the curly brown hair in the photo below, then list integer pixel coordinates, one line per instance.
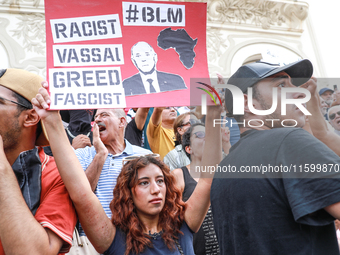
(124, 214)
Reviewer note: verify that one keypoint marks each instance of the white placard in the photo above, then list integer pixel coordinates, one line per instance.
(88, 55)
(149, 14)
(86, 28)
(86, 88)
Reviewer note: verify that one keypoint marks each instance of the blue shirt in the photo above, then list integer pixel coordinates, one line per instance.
(118, 245)
(111, 169)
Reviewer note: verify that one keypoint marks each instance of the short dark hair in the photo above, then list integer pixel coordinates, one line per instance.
(186, 137)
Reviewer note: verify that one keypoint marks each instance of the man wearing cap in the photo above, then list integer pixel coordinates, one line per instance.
(327, 95)
(36, 216)
(268, 199)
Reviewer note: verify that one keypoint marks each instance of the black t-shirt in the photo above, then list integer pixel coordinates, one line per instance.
(285, 215)
(79, 123)
(205, 241)
(133, 134)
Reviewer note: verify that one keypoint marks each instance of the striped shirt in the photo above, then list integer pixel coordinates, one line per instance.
(111, 169)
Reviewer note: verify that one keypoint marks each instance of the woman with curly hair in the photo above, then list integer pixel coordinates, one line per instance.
(148, 215)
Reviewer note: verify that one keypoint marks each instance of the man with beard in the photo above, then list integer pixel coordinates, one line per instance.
(273, 202)
(103, 161)
(37, 216)
(149, 80)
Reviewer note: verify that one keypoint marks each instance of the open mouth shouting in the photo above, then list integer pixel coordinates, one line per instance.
(101, 126)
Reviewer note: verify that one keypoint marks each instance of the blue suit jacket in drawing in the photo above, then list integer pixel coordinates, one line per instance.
(167, 82)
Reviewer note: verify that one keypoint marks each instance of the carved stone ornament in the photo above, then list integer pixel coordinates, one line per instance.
(21, 3)
(259, 13)
(31, 29)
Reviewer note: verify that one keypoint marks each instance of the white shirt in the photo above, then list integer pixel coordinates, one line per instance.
(146, 84)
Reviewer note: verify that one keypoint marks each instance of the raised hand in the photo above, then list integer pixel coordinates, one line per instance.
(97, 142)
(81, 141)
(41, 103)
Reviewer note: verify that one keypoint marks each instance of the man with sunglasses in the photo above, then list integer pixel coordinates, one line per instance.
(334, 118)
(36, 216)
(278, 192)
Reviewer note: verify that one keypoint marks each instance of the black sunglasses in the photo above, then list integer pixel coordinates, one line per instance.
(5, 99)
(332, 116)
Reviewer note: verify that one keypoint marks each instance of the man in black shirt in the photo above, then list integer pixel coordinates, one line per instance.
(134, 129)
(272, 200)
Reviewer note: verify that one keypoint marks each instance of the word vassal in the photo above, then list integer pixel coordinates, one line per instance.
(83, 55)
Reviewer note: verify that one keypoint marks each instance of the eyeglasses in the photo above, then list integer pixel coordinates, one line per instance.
(200, 134)
(191, 122)
(332, 116)
(130, 158)
(5, 99)
(169, 108)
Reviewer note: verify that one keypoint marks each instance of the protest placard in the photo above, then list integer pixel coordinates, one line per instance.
(116, 54)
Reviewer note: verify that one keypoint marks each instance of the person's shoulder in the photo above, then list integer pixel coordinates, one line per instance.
(131, 79)
(87, 151)
(165, 75)
(49, 171)
(140, 150)
(178, 172)
(277, 132)
(170, 81)
(291, 133)
(171, 153)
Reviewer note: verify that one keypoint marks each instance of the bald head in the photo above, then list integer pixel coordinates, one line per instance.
(144, 57)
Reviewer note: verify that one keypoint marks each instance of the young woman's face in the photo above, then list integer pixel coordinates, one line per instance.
(149, 193)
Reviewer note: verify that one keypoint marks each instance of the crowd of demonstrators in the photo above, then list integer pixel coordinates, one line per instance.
(137, 208)
(275, 213)
(177, 157)
(37, 216)
(148, 215)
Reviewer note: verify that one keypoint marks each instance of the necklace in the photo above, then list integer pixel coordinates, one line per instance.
(155, 235)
